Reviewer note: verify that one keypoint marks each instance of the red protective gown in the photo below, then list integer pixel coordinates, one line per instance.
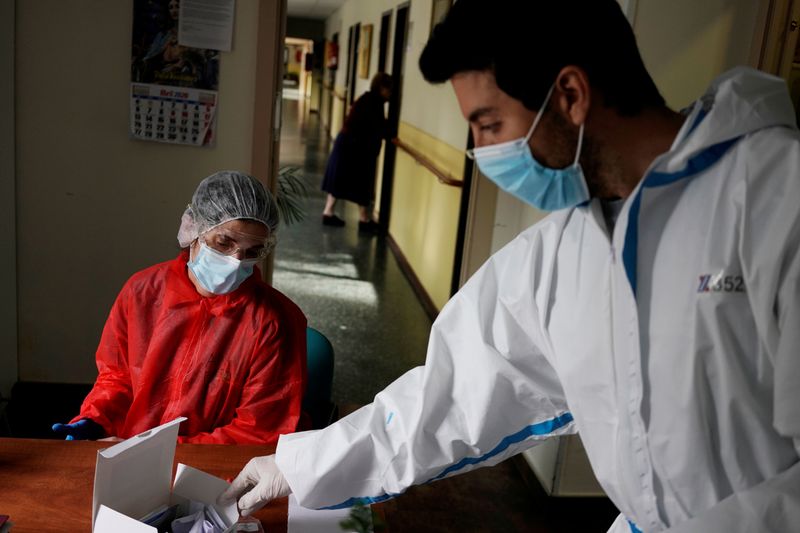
(234, 365)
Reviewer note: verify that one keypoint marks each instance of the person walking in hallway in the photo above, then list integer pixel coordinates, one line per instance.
(350, 173)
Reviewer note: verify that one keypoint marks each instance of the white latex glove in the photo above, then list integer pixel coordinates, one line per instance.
(259, 482)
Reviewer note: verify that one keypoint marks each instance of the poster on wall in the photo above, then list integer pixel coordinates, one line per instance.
(206, 24)
(331, 55)
(364, 51)
(173, 91)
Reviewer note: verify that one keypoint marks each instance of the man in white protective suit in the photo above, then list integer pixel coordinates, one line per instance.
(656, 310)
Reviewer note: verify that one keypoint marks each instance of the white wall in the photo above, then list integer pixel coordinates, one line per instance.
(8, 242)
(358, 12)
(93, 206)
(432, 109)
(435, 109)
(685, 44)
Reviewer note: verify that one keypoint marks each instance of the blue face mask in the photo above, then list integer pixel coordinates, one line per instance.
(219, 273)
(513, 168)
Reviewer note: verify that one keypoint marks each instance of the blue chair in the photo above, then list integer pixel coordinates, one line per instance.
(317, 400)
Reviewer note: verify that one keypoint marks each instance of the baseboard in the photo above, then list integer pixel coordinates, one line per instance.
(416, 285)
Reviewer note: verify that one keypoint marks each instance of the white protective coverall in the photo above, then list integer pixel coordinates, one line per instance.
(673, 346)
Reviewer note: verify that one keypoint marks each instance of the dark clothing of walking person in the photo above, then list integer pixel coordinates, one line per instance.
(350, 173)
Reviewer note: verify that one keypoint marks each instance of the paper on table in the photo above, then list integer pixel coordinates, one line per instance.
(302, 520)
(106, 515)
(194, 484)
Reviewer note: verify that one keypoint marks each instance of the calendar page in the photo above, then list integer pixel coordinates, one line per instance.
(173, 87)
(175, 115)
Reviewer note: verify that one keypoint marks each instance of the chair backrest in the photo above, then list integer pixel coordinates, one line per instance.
(317, 400)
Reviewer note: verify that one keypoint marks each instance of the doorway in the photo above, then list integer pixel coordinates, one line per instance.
(297, 78)
(383, 41)
(390, 151)
(352, 66)
(330, 84)
(779, 44)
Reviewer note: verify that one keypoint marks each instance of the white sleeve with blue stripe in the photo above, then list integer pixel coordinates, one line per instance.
(486, 392)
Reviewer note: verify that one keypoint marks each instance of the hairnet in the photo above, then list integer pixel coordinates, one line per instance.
(225, 196)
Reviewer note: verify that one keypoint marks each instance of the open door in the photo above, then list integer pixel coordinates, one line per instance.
(330, 70)
(352, 67)
(390, 151)
(383, 42)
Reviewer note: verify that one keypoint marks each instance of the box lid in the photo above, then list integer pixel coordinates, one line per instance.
(135, 476)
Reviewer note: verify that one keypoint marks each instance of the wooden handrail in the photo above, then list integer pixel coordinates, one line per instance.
(441, 175)
(332, 88)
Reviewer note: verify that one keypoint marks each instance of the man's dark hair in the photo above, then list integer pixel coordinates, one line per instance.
(527, 42)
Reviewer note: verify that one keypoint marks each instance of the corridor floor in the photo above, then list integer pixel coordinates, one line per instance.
(349, 285)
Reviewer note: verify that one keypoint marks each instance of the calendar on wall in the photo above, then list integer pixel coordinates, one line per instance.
(173, 91)
(173, 114)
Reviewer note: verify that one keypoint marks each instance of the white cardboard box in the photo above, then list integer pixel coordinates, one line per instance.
(133, 478)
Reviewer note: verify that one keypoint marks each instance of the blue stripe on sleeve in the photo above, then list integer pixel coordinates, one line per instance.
(540, 429)
(634, 529)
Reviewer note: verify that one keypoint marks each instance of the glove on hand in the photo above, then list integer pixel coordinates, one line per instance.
(259, 482)
(85, 429)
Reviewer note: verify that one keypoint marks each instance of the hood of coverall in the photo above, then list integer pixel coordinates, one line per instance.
(740, 101)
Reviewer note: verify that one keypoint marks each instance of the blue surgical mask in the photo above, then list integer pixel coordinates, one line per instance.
(513, 168)
(219, 273)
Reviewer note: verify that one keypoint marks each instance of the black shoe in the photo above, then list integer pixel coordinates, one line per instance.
(332, 220)
(370, 226)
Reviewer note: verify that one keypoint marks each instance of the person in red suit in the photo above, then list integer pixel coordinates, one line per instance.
(202, 336)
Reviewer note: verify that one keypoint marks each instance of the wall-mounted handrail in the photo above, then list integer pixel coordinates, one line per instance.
(441, 175)
(332, 88)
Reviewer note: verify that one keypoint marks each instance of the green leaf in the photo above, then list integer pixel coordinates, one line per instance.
(291, 195)
(360, 519)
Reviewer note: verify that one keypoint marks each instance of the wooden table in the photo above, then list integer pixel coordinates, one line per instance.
(46, 485)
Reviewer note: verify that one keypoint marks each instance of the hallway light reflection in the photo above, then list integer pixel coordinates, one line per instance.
(332, 268)
(331, 279)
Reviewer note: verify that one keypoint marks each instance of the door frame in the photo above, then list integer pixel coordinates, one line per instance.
(271, 38)
(383, 40)
(352, 68)
(775, 40)
(395, 104)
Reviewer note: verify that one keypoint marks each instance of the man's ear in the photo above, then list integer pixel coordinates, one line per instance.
(572, 94)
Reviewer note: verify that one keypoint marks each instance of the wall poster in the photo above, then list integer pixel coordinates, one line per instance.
(173, 94)
(364, 51)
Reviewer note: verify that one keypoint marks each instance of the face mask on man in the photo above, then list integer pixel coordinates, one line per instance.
(513, 168)
(219, 273)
